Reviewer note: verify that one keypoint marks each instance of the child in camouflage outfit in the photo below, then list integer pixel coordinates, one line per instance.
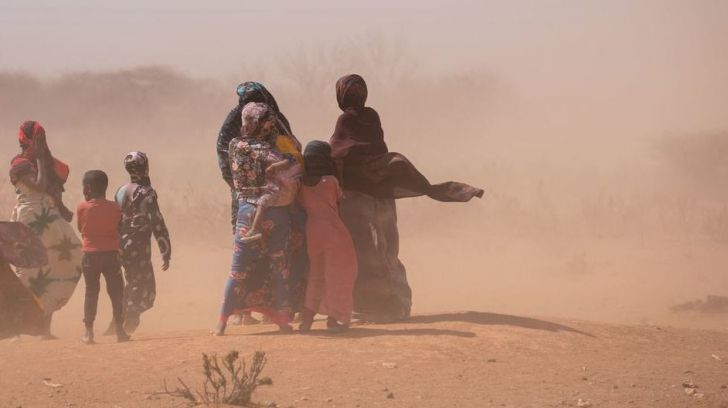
(140, 219)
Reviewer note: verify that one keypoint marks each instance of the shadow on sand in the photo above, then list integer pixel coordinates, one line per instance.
(356, 332)
(484, 318)
(480, 318)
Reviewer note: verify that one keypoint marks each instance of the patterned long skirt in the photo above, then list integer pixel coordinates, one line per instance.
(259, 274)
(381, 291)
(298, 254)
(299, 258)
(20, 310)
(141, 287)
(54, 283)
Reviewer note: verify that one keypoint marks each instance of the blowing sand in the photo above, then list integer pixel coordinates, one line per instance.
(598, 132)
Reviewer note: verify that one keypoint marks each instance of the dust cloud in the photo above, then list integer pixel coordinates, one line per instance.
(602, 144)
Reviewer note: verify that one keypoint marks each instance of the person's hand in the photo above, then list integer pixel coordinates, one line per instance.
(165, 265)
(272, 169)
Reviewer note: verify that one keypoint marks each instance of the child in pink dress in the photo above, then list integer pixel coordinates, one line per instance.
(333, 265)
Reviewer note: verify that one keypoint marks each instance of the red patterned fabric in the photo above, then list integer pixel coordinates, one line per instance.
(32, 136)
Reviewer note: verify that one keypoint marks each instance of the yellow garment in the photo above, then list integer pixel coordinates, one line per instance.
(287, 145)
(288, 179)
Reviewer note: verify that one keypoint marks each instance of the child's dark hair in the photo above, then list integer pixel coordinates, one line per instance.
(97, 181)
(317, 159)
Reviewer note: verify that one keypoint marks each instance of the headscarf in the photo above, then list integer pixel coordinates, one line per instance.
(351, 92)
(317, 159)
(137, 165)
(255, 92)
(358, 131)
(368, 166)
(255, 114)
(31, 136)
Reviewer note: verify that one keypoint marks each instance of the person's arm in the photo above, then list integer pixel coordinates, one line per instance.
(80, 217)
(150, 206)
(229, 130)
(39, 181)
(277, 166)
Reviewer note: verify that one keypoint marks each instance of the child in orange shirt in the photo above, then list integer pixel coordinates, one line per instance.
(98, 223)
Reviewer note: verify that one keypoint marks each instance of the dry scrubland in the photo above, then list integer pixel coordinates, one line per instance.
(574, 225)
(568, 228)
(443, 360)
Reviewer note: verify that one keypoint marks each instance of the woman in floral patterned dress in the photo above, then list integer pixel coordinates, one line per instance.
(283, 140)
(259, 274)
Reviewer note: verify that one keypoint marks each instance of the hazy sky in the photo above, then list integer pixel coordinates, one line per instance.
(629, 67)
(210, 38)
(213, 37)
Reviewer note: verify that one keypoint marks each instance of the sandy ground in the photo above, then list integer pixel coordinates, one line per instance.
(469, 359)
(638, 355)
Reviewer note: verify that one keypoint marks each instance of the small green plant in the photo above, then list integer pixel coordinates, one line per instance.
(227, 380)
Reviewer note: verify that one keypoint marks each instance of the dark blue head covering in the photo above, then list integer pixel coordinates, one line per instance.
(255, 92)
(250, 91)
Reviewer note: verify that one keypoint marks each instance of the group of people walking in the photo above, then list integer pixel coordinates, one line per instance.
(314, 229)
(113, 234)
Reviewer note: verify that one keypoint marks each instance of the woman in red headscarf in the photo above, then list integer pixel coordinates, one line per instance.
(38, 179)
(372, 177)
